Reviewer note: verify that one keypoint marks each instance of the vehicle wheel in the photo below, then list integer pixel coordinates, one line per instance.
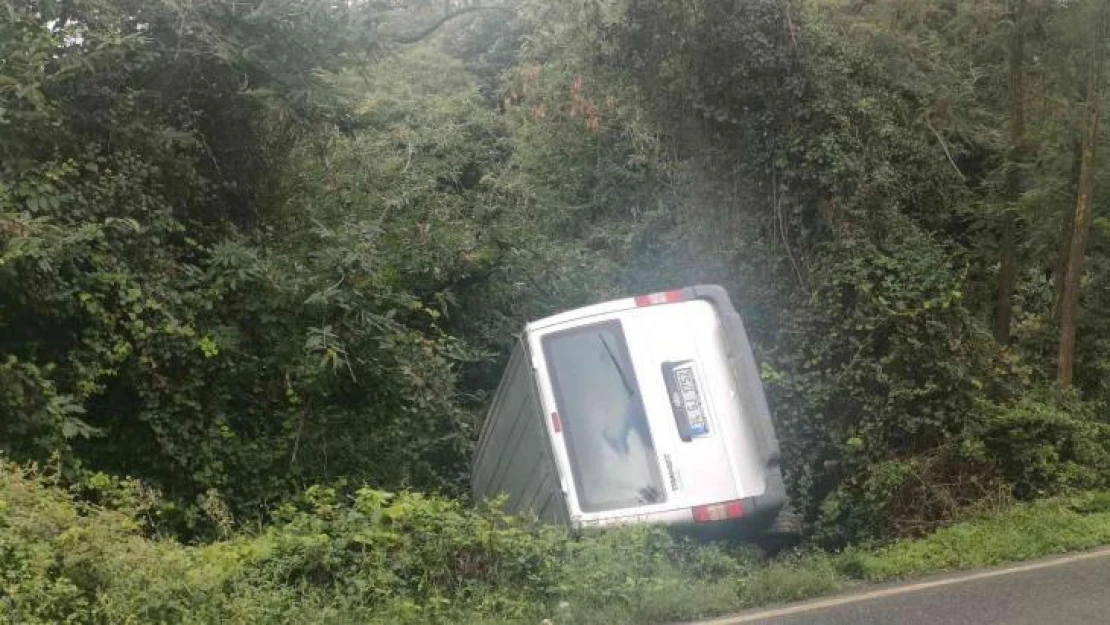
(785, 532)
(788, 521)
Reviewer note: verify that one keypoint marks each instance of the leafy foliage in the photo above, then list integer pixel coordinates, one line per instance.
(853, 169)
(164, 313)
(246, 248)
(377, 557)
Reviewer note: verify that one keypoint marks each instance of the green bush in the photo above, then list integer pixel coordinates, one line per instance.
(373, 557)
(1045, 444)
(189, 293)
(376, 558)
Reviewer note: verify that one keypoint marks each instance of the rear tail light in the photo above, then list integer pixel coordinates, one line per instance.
(718, 512)
(556, 423)
(662, 297)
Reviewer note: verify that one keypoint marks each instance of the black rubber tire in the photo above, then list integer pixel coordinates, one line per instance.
(784, 533)
(787, 522)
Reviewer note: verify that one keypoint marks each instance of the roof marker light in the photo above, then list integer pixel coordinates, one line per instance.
(662, 297)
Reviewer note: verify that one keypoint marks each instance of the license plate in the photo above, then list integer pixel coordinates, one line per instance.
(686, 401)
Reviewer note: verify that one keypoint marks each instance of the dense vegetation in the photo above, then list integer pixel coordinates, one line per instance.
(382, 558)
(253, 253)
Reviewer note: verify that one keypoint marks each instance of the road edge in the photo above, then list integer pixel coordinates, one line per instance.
(907, 587)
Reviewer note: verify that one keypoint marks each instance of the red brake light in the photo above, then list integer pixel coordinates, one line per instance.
(556, 423)
(718, 512)
(662, 297)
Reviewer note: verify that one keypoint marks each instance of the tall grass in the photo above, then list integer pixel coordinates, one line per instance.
(406, 558)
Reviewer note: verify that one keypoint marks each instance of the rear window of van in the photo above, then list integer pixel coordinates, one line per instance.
(612, 455)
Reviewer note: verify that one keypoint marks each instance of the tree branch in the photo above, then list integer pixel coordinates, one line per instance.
(426, 32)
(944, 146)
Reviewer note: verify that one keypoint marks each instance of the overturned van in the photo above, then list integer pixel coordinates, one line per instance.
(640, 410)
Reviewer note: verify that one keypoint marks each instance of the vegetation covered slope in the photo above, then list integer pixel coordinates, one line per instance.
(251, 248)
(865, 190)
(406, 558)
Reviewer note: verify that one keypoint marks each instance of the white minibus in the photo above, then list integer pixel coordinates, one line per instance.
(647, 409)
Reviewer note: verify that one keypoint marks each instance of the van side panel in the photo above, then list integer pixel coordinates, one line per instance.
(523, 472)
(544, 495)
(498, 426)
(514, 452)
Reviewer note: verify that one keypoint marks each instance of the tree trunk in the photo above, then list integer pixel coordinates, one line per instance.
(1007, 262)
(1081, 225)
(1007, 271)
(1061, 268)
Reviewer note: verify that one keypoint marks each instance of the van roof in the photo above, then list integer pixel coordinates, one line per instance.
(581, 313)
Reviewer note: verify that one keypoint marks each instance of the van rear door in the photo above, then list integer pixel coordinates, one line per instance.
(601, 415)
(681, 358)
(649, 412)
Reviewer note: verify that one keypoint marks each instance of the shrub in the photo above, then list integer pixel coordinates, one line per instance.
(373, 557)
(378, 557)
(1045, 444)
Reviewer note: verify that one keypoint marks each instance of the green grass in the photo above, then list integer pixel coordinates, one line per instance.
(415, 559)
(1021, 532)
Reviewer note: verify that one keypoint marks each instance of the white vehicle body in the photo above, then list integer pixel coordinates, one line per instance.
(639, 410)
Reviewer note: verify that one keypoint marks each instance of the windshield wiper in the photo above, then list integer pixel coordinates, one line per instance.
(620, 368)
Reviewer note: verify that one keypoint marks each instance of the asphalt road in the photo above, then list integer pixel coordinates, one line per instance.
(1058, 591)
